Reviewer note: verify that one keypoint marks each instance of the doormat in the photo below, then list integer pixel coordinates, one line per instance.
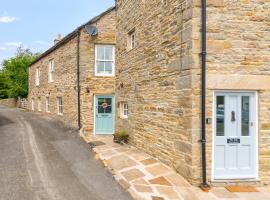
(96, 143)
(241, 189)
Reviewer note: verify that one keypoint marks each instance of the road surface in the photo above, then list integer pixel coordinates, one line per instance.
(41, 159)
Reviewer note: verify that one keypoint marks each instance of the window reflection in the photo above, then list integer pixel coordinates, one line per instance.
(220, 116)
(245, 116)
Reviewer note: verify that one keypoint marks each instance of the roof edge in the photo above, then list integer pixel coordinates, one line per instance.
(71, 35)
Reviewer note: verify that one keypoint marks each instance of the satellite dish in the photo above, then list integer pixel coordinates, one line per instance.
(91, 30)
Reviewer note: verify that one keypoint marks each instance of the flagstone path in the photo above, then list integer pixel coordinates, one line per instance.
(146, 178)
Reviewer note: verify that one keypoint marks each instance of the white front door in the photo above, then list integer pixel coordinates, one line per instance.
(235, 135)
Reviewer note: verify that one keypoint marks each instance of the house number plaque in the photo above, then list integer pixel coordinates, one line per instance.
(233, 141)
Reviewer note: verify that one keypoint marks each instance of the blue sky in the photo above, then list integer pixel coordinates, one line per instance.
(35, 23)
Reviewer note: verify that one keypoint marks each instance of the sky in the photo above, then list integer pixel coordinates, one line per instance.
(36, 23)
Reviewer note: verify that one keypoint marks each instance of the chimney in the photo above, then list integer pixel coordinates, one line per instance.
(57, 39)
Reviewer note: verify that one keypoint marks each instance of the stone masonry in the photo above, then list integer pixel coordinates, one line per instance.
(156, 79)
(65, 83)
(160, 78)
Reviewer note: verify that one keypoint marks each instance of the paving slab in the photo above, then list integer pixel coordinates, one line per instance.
(223, 193)
(132, 174)
(121, 162)
(146, 178)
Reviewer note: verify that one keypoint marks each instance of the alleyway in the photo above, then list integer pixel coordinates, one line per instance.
(40, 159)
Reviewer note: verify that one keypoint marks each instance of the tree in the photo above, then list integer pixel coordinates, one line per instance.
(14, 74)
(3, 87)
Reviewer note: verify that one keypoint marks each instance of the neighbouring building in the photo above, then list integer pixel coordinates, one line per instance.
(84, 60)
(158, 85)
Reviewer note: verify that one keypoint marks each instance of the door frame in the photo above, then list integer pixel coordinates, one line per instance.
(94, 107)
(255, 93)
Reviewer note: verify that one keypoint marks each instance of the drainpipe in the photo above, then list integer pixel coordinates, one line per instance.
(78, 79)
(204, 184)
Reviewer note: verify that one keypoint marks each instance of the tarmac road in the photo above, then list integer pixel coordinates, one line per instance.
(41, 159)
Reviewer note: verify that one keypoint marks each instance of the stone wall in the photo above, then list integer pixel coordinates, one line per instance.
(160, 78)
(11, 102)
(92, 85)
(156, 79)
(238, 58)
(65, 84)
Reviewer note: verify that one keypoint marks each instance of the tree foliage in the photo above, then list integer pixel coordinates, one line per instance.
(14, 74)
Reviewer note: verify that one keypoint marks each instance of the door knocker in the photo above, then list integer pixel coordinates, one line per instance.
(233, 116)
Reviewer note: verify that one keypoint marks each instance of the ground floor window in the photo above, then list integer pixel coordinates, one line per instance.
(60, 105)
(39, 104)
(33, 104)
(48, 105)
(124, 110)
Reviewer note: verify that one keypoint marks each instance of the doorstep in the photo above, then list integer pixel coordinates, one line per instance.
(146, 178)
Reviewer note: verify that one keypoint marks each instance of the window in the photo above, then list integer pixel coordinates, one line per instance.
(104, 61)
(51, 71)
(60, 105)
(33, 104)
(124, 110)
(37, 76)
(245, 115)
(48, 105)
(220, 115)
(39, 104)
(131, 40)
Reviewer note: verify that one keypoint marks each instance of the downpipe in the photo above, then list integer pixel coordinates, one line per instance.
(204, 185)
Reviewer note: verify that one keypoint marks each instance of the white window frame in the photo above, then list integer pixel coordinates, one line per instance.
(37, 76)
(124, 110)
(59, 106)
(113, 61)
(48, 104)
(39, 104)
(33, 104)
(51, 74)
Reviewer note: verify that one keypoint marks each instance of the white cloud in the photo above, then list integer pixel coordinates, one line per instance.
(7, 19)
(13, 44)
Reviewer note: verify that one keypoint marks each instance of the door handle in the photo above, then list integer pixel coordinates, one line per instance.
(233, 116)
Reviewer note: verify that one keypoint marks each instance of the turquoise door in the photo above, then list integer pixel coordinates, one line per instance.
(104, 114)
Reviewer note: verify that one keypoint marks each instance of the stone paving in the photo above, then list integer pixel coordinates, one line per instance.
(146, 178)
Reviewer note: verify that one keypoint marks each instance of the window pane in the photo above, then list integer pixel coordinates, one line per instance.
(220, 116)
(52, 75)
(109, 53)
(104, 105)
(108, 67)
(100, 67)
(245, 116)
(100, 53)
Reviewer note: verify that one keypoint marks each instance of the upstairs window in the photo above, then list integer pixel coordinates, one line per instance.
(37, 76)
(124, 110)
(104, 60)
(48, 104)
(60, 105)
(51, 71)
(131, 40)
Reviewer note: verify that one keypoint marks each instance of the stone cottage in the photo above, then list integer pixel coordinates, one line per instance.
(74, 79)
(169, 96)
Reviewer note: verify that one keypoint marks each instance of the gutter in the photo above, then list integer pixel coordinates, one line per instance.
(78, 79)
(204, 185)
